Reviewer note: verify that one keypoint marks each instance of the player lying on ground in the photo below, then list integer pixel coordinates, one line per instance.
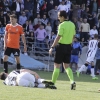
(25, 78)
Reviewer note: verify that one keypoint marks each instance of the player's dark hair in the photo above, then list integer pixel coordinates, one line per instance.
(63, 13)
(13, 16)
(3, 76)
(98, 44)
(95, 36)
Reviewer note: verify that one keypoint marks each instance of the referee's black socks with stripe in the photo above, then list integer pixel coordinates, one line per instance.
(6, 67)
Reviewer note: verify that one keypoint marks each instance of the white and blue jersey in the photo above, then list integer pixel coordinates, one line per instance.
(92, 48)
(11, 78)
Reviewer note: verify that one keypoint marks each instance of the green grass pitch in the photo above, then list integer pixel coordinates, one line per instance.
(87, 89)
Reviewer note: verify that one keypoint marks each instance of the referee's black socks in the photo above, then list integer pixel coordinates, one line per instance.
(6, 67)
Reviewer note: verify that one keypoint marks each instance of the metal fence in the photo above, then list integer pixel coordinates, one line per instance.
(38, 53)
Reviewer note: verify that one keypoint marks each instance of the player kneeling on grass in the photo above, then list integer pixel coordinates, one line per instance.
(25, 78)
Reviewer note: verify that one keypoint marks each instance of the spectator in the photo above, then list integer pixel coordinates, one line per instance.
(26, 27)
(22, 18)
(28, 7)
(48, 30)
(68, 3)
(53, 16)
(37, 19)
(86, 13)
(53, 36)
(22, 5)
(79, 11)
(94, 6)
(80, 21)
(95, 19)
(37, 6)
(43, 9)
(98, 3)
(6, 5)
(2, 18)
(51, 40)
(30, 40)
(50, 6)
(90, 20)
(93, 32)
(82, 10)
(62, 6)
(84, 29)
(1, 28)
(76, 26)
(98, 25)
(8, 17)
(1, 5)
(44, 20)
(56, 2)
(30, 26)
(80, 2)
(16, 6)
(37, 26)
(40, 35)
(88, 3)
(13, 12)
(76, 11)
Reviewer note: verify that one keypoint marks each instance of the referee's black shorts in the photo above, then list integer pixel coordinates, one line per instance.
(63, 53)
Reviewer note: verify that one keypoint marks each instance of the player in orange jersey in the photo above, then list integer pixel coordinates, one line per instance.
(13, 31)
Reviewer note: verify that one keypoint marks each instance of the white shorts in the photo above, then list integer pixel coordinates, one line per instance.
(90, 59)
(25, 79)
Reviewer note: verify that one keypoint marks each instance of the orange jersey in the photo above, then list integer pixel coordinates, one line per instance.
(13, 35)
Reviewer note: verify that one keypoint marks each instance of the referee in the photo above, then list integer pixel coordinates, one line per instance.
(66, 32)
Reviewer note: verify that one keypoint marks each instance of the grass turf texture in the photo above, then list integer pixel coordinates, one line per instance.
(87, 89)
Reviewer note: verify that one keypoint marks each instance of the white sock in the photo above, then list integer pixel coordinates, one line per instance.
(41, 86)
(82, 68)
(40, 80)
(92, 72)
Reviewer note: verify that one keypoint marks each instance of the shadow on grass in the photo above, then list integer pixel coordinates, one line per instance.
(89, 91)
(64, 77)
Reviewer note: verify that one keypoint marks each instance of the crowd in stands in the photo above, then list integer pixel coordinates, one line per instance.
(39, 18)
